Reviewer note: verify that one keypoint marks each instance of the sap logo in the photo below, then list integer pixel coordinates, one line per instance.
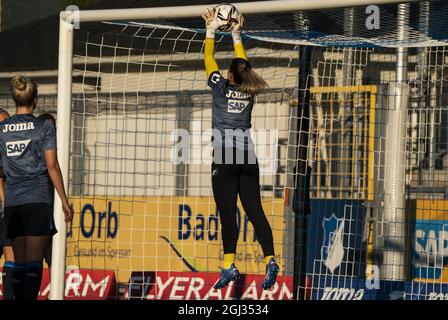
(237, 106)
(430, 248)
(11, 127)
(201, 226)
(332, 250)
(216, 77)
(92, 221)
(16, 148)
(438, 296)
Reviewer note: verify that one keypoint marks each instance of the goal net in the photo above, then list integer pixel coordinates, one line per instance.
(351, 138)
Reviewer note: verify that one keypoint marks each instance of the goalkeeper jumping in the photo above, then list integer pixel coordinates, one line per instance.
(235, 169)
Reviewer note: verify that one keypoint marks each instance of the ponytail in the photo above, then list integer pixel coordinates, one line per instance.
(246, 78)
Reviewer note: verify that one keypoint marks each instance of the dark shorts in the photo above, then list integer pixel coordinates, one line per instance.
(31, 219)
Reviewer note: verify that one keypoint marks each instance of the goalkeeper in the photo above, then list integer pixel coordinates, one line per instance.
(235, 169)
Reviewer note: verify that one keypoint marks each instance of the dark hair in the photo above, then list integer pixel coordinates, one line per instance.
(245, 77)
(47, 117)
(24, 91)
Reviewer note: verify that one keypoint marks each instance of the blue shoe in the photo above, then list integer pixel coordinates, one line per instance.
(272, 269)
(226, 276)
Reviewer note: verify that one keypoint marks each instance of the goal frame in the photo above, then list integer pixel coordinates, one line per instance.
(67, 22)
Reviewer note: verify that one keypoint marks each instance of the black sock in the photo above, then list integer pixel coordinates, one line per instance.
(33, 280)
(8, 269)
(18, 281)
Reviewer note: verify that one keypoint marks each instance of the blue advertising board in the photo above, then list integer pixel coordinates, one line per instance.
(346, 288)
(335, 238)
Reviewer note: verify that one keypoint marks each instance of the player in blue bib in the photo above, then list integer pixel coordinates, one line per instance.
(235, 170)
(30, 168)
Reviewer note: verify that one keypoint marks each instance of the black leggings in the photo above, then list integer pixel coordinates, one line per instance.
(229, 180)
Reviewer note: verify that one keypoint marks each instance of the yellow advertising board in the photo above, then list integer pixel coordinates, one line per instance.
(161, 233)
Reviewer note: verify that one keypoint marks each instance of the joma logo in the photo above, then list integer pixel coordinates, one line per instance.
(11, 127)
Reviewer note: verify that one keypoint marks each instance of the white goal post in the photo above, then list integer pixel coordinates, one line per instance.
(64, 96)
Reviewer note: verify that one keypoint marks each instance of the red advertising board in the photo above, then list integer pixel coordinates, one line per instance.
(199, 286)
(100, 285)
(80, 285)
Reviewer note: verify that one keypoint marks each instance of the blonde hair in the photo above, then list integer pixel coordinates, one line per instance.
(24, 91)
(246, 78)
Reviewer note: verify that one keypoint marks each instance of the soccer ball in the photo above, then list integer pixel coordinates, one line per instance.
(226, 14)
